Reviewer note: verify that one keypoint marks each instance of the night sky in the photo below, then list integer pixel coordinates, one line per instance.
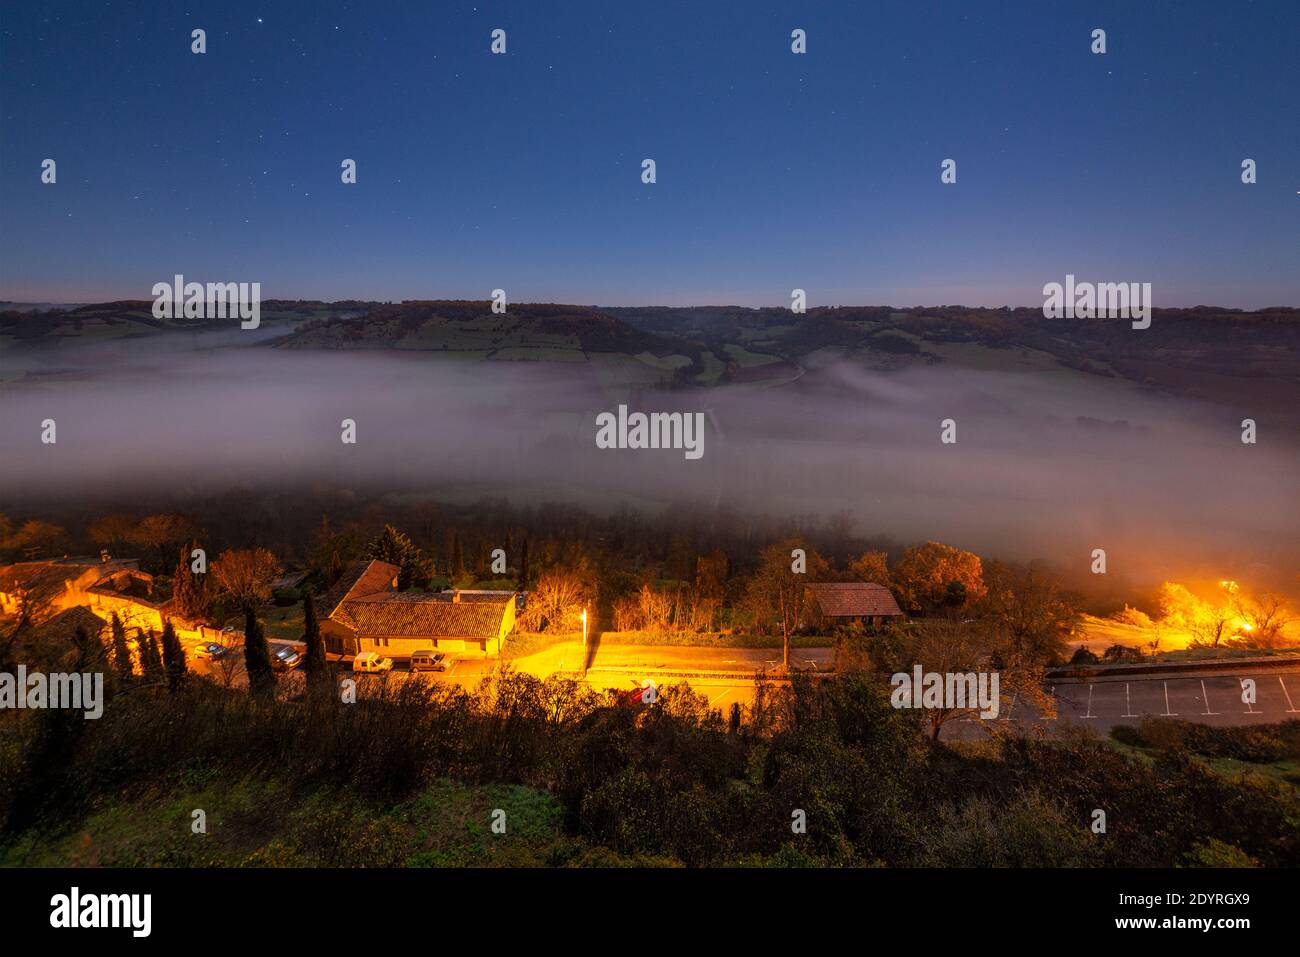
(775, 170)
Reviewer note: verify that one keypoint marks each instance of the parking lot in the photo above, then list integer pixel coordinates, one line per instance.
(1209, 698)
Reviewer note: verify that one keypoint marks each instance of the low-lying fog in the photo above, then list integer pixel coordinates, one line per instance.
(1176, 489)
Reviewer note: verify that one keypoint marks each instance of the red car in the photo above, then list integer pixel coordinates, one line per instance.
(645, 693)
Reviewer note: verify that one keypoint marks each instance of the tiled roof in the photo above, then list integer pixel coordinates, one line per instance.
(47, 577)
(407, 615)
(64, 625)
(361, 579)
(42, 578)
(853, 599)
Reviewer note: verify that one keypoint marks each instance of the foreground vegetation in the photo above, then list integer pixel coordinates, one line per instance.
(411, 774)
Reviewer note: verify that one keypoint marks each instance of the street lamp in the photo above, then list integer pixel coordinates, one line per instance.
(584, 641)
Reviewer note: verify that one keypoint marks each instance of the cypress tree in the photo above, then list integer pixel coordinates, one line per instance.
(150, 660)
(91, 654)
(187, 590)
(395, 548)
(173, 657)
(121, 650)
(257, 658)
(457, 570)
(317, 668)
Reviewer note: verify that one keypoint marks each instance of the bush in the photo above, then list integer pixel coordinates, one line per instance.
(284, 597)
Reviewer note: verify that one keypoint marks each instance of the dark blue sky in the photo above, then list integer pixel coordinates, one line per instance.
(774, 170)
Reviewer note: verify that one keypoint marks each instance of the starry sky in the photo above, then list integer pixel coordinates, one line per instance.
(775, 170)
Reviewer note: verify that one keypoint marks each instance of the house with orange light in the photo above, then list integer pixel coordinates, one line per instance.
(844, 603)
(364, 611)
(105, 586)
(57, 584)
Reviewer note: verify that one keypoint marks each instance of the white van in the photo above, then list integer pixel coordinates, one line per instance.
(371, 662)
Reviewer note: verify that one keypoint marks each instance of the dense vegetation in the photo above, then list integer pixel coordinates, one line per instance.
(412, 773)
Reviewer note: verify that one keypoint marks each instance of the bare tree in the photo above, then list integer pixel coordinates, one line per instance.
(775, 595)
(244, 577)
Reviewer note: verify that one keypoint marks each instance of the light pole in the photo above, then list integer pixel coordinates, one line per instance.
(584, 641)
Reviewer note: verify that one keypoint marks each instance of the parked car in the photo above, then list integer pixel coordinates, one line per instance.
(210, 649)
(371, 662)
(428, 661)
(285, 657)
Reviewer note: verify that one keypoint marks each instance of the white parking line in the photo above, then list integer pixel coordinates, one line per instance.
(1007, 716)
(1207, 699)
(718, 699)
(1128, 705)
(1090, 714)
(1289, 706)
(1250, 708)
(1168, 713)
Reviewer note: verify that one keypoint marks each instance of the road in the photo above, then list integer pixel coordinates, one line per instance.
(726, 676)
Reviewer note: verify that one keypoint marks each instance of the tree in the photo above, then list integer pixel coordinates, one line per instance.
(112, 531)
(1030, 609)
(36, 538)
(395, 548)
(871, 567)
(329, 553)
(456, 568)
(151, 663)
(950, 648)
(315, 664)
(627, 613)
(121, 650)
(160, 533)
(556, 603)
(656, 608)
(935, 576)
(1265, 617)
(775, 594)
(228, 666)
(33, 607)
(173, 656)
(244, 577)
(257, 658)
(189, 592)
(523, 566)
(91, 655)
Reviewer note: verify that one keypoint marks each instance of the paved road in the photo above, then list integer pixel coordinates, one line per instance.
(725, 676)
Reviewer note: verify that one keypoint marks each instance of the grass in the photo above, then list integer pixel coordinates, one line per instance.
(257, 822)
(283, 623)
(1270, 750)
(744, 358)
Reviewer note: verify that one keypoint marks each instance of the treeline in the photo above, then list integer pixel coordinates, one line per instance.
(628, 563)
